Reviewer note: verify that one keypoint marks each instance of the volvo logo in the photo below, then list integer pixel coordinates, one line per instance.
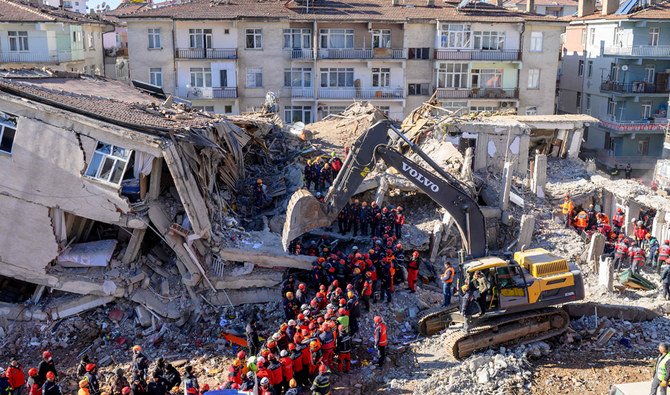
(419, 177)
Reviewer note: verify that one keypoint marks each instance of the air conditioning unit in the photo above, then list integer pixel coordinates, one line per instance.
(507, 104)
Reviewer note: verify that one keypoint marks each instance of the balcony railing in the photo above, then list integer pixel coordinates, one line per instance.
(608, 159)
(306, 54)
(389, 53)
(477, 54)
(659, 125)
(351, 93)
(345, 53)
(223, 92)
(40, 57)
(640, 51)
(299, 92)
(477, 93)
(632, 87)
(208, 53)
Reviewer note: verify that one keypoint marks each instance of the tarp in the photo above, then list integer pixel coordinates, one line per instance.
(95, 253)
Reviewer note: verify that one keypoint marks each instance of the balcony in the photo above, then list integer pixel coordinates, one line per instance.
(304, 54)
(206, 53)
(345, 53)
(477, 93)
(52, 57)
(389, 53)
(644, 162)
(195, 93)
(477, 54)
(372, 93)
(300, 92)
(653, 51)
(658, 125)
(634, 88)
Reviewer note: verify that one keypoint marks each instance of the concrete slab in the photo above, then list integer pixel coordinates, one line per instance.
(79, 305)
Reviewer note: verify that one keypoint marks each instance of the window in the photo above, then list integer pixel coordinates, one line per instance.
(486, 78)
(336, 38)
(200, 38)
(531, 110)
(18, 41)
(587, 105)
(489, 41)
(589, 69)
(533, 78)
(228, 109)
(254, 38)
(108, 163)
(417, 89)
(76, 37)
(154, 38)
(298, 114)
(381, 38)
(455, 36)
(646, 110)
(337, 77)
(67, 4)
(91, 42)
(226, 31)
(592, 35)
(536, 39)
(654, 34)
(201, 77)
(298, 78)
(483, 108)
(324, 111)
(649, 74)
(578, 100)
(611, 107)
(418, 53)
(643, 145)
(254, 78)
(381, 77)
(618, 36)
(580, 68)
(204, 108)
(297, 39)
(156, 76)
(454, 105)
(615, 72)
(7, 133)
(452, 75)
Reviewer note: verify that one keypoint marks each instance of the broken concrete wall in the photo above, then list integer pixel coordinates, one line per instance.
(497, 142)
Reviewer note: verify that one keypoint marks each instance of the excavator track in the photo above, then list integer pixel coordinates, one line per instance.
(513, 330)
(434, 320)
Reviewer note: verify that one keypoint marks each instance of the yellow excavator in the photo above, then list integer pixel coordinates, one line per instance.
(517, 308)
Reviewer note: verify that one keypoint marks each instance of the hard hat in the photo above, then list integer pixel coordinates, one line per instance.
(377, 319)
(46, 355)
(32, 372)
(83, 383)
(259, 181)
(292, 383)
(301, 316)
(50, 375)
(619, 210)
(336, 283)
(241, 355)
(313, 344)
(343, 301)
(291, 346)
(192, 390)
(250, 375)
(647, 236)
(313, 303)
(301, 286)
(283, 353)
(205, 387)
(398, 246)
(666, 241)
(358, 256)
(415, 254)
(338, 291)
(323, 369)
(350, 286)
(265, 381)
(90, 367)
(399, 208)
(626, 241)
(272, 344)
(125, 390)
(368, 274)
(292, 323)
(284, 326)
(137, 348)
(289, 295)
(325, 166)
(640, 223)
(350, 294)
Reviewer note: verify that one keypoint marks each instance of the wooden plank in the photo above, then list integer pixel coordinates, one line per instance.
(266, 258)
(162, 224)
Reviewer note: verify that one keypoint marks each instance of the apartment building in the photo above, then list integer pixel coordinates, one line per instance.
(69, 5)
(39, 36)
(545, 7)
(320, 56)
(616, 67)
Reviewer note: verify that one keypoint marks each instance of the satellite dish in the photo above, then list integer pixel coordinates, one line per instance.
(624, 67)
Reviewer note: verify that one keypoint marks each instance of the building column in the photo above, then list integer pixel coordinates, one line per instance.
(632, 212)
(507, 185)
(575, 143)
(539, 175)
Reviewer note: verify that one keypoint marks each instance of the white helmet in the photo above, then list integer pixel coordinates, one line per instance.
(265, 381)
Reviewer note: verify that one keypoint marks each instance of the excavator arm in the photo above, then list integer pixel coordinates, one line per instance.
(305, 213)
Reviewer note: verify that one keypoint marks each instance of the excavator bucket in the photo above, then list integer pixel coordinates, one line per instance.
(304, 213)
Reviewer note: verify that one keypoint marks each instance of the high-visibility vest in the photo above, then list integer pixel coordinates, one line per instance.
(582, 220)
(449, 275)
(381, 329)
(567, 207)
(617, 219)
(661, 374)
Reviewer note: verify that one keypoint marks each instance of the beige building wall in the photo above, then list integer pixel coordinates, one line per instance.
(419, 35)
(546, 61)
(142, 58)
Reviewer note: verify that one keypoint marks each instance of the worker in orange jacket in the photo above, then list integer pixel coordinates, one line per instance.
(581, 221)
(567, 207)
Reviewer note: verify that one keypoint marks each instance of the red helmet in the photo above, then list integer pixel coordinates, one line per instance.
(385, 210)
(336, 283)
(125, 390)
(322, 287)
(338, 291)
(626, 241)
(619, 210)
(272, 344)
(205, 387)
(241, 355)
(291, 346)
(343, 301)
(398, 246)
(90, 367)
(358, 256)
(666, 241)
(305, 332)
(342, 311)
(301, 316)
(350, 286)
(377, 319)
(51, 375)
(343, 262)
(46, 355)
(415, 254)
(32, 372)
(313, 303)
(192, 390)
(323, 369)
(301, 286)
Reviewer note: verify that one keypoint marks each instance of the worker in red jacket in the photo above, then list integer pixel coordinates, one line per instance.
(275, 373)
(413, 271)
(296, 358)
(16, 377)
(33, 387)
(399, 221)
(381, 340)
(286, 368)
(618, 219)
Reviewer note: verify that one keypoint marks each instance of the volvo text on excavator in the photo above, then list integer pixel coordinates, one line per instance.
(518, 308)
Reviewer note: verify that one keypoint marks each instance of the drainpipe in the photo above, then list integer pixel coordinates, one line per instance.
(174, 56)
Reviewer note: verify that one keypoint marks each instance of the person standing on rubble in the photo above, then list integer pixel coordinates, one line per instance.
(92, 377)
(663, 254)
(364, 218)
(665, 279)
(253, 342)
(140, 363)
(380, 339)
(46, 365)
(260, 194)
(48, 388)
(355, 216)
(119, 382)
(661, 370)
(618, 220)
(447, 282)
(335, 164)
(16, 377)
(581, 221)
(620, 253)
(308, 174)
(637, 259)
(413, 271)
(628, 171)
(567, 208)
(398, 222)
(321, 384)
(375, 219)
(190, 381)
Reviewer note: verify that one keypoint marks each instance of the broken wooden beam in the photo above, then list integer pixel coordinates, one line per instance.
(267, 258)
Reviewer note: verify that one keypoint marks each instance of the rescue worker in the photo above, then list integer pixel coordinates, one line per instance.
(567, 207)
(253, 342)
(327, 345)
(33, 387)
(375, 219)
(119, 382)
(343, 350)
(665, 279)
(140, 363)
(190, 381)
(49, 387)
(399, 221)
(663, 253)
(343, 219)
(249, 382)
(618, 220)
(275, 373)
(637, 259)
(259, 195)
(315, 356)
(621, 253)
(386, 279)
(483, 286)
(16, 377)
(355, 216)
(380, 339)
(83, 388)
(266, 388)
(296, 357)
(325, 177)
(335, 164)
(413, 271)
(651, 249)
(366, 292)
(447, 283)
(321, 384)
(365, 218)
(293, 388)
(592, 221)
(640, 232)
(156, 387)
(92, 378)
(46, 365)
(290, 306)
(581, 221)
(286, 368)
(661, 370)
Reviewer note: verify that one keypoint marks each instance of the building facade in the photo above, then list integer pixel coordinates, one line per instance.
(42, 36)
(69, 5)
(616, 66)
(318, 59)
(545, 7)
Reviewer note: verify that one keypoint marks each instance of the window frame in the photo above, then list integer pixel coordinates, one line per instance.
(536, 42)
(589, 69)
(537, 73)
(19, 40)
(154, 38)
(650, 74)
(303, 35)
(200, 73)
(418, 89)
(381, 77)
(418, 53)
(381, 38)
(255, 71)
(256, 36)
(654, 36)
(328, 34)
(446, 78)
(302, 110)
(156, 72)
(200, 38)
(493, 75)
(645, 109)
(101, 164)
(4, 124)
(496, 37)
(303, 75)
(332, 77)
(455, 36)
(580, 68)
